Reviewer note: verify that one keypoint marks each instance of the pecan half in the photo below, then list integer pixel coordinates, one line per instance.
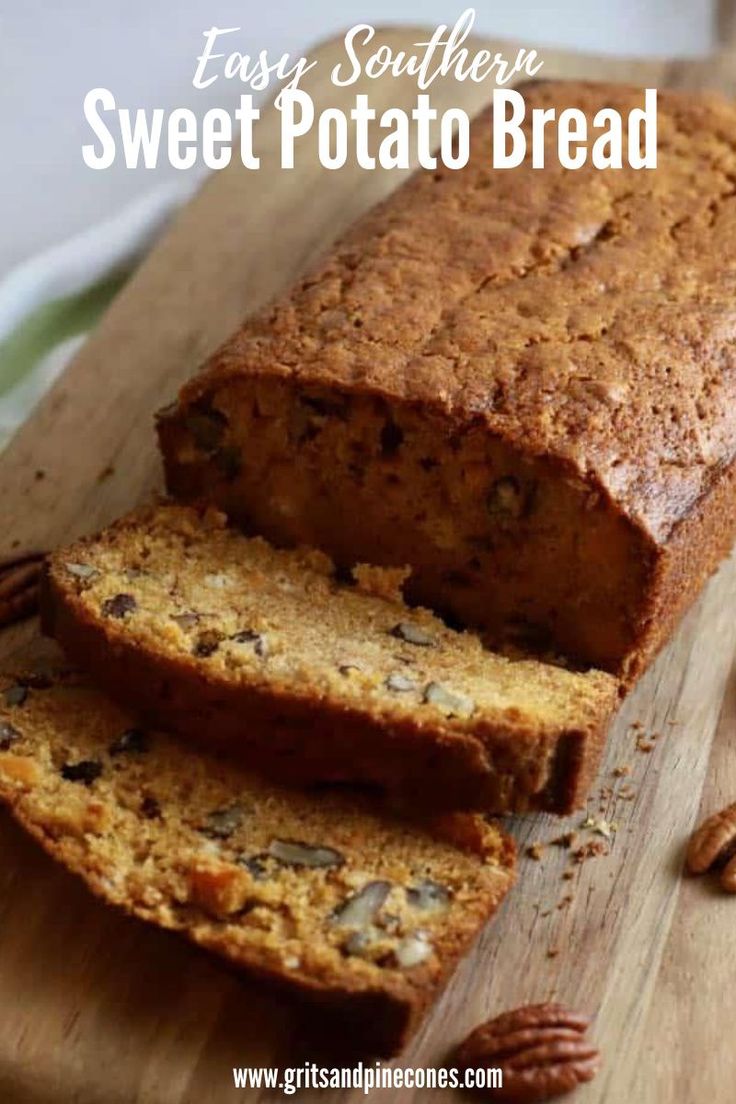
(540, 1049)
(713, 847)
(19, 581)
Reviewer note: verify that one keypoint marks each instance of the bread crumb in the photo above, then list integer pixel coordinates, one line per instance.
(589, 850)
(535, 851)
(621, 771)
(599, 825)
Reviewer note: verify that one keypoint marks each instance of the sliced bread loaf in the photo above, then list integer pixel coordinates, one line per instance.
(521, 383)
(367, 915)
(264, 652)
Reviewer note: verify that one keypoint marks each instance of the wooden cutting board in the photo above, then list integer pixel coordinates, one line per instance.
(98, 1008)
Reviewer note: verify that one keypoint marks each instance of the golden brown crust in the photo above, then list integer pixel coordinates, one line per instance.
(698, 544)
(148, 826)
(331, 692)
(582, 319)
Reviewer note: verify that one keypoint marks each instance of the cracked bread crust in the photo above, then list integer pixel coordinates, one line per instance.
(362, 913)
(567, 336)
(265, 654)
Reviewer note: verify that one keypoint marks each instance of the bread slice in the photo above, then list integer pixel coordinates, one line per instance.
(265, 653)
(367, 915)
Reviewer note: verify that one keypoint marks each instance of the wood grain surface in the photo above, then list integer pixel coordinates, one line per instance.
(98, 1008)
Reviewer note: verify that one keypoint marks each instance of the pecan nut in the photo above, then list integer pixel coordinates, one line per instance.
(713, 847)
(19, 583)
(540, 1049)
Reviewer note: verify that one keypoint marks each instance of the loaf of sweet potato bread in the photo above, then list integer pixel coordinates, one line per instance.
(522, 383)
(365, 914)
(264, 653)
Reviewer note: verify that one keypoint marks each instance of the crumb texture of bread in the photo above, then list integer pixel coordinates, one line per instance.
(362, 912)
(263, 652)
(520, 383)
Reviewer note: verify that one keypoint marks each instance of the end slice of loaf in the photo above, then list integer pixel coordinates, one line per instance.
(265, 653)
(365, 914)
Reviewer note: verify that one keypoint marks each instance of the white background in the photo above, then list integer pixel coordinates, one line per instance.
(53, 51)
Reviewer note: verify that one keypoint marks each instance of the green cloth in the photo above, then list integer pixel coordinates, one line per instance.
(49, 325)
